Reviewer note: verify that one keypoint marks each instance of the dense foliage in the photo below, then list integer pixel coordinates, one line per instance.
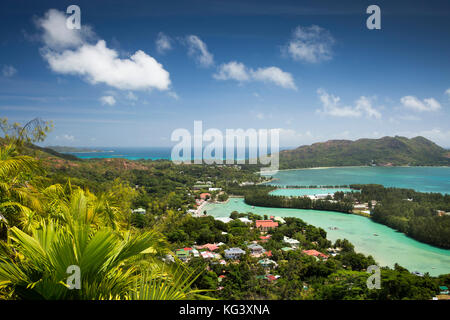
(413, 213)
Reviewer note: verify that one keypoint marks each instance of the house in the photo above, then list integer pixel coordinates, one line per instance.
(183, 254)
(256, 249)
(271, 277)
(286, 249)
(267, 263)
(266, 225)
(245, 220)
(292, 242)
(224, 219)
(195, 253)
(315, 253)
(234, 253)
(280, 220)
(207, 254)
(205, 195)
(139, 210)
(214, 189)
(265, 238)
(209, 246)
(268, 253)
(443, 290)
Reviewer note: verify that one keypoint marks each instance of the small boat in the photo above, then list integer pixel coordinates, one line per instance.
(375, 235)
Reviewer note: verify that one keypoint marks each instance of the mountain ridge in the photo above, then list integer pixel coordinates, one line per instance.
(385, 151)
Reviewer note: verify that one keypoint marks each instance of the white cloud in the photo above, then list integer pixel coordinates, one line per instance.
(274, 75)
(416, 104)
(331, 106)
(238, 71)
(437, 135)
(163, 43)
(232, 71)
(447, 92)
(65, 137)
(70, 53)
(199, 50)
(56, 35)
(108, 100)
(8, 71)
(173, 94)
(131, 96)
(293, 138)
(310, 44)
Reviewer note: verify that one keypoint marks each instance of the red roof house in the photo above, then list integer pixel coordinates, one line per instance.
(315, 253)
(266, 225)
(204, 195)
(209, 246)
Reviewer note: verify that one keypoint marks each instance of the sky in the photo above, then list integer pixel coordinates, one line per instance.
(138, 70)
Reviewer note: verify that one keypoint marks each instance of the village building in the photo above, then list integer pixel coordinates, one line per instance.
(267, 263)
(205, 195)
(209, 246)
(266, 225)
(280, 220)
(315, 253)
(207, 255)
(224, 219)
(234, 253)
(139, 210)
(256, 249)
(245, 220)
(292, 242)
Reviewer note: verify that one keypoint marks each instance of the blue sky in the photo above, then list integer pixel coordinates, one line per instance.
(310, 68)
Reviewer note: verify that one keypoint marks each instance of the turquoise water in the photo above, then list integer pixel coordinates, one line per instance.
(388, 248)
(306, 191)
(425, 179)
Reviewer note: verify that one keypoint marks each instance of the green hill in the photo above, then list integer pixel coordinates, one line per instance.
(386, 151)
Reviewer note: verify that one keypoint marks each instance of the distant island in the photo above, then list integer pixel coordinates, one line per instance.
(386, 151)
(65, 149)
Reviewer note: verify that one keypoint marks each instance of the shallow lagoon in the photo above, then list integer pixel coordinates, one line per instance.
(425, 179)
(387, 248)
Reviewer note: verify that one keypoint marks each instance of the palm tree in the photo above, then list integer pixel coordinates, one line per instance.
(37, 268)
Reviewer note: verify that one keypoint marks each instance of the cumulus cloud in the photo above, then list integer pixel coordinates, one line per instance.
(310, 44)
(108, 100)
(8, 71)
(66, 137)
(416, 104)
(274, 75)
(239, 72)
(131, 96)
(199, 50)
(69, 52)
(232, 71)
(56, 35)
(163, 43)
(331, 106)
(290, 137)
(173, 94)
